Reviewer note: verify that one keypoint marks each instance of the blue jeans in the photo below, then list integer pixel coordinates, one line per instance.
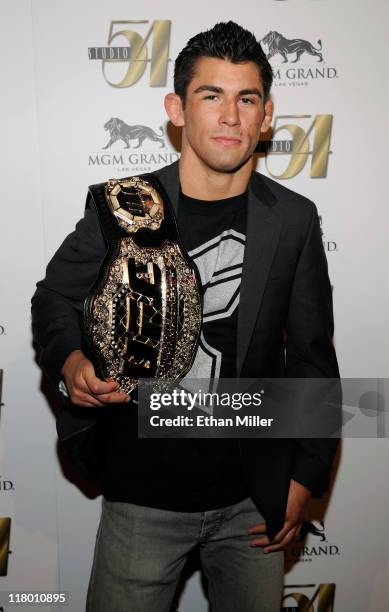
(140, 553)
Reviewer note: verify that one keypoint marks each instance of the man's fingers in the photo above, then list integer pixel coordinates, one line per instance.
(79, 398)
(260, 541)
(298, 531)
(86, 405)
(114, 398)
(261, 528)
(82, 393)
(264, 541)
(100, 387)
(286, 540)
(85, 388)
(273, 548)
(281, 534)
(278, 543)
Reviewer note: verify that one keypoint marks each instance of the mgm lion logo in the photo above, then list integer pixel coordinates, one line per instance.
(311, 528)
(119, 130)
(277, 43)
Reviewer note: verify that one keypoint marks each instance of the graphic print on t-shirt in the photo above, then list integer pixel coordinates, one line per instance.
(219, 262)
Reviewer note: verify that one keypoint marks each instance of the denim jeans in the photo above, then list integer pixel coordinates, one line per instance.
(141, 551)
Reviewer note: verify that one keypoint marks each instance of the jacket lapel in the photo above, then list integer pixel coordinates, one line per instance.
(262, 237)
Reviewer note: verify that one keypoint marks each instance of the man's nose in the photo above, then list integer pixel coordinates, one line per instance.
(230, 113)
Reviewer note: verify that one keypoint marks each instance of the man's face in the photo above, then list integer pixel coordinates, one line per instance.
(224, 113)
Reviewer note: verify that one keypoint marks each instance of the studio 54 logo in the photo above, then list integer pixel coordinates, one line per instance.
(309, 598)
(133, 45)
(297, 61)
(303, 138)
(5, 529)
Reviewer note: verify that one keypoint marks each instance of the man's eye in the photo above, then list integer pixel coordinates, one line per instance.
(247, 100)
(210, 97)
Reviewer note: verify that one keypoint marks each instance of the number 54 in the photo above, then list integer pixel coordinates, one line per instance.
(159, 31)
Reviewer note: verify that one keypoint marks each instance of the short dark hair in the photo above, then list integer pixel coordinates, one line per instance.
(227, 41)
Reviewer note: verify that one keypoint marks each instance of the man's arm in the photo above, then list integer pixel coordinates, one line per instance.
(309, 354)
(310, 351)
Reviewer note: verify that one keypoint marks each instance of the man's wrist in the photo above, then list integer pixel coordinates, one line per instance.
(302, 489)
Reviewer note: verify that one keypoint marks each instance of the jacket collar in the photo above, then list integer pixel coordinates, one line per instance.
(169, 177)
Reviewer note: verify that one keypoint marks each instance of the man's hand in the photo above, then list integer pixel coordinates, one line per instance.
(85, 389)
(298, 500)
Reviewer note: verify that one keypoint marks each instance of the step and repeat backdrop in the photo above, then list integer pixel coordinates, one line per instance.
(77, 109)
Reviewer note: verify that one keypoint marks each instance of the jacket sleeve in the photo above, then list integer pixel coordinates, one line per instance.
(310, 351)
(57, 303)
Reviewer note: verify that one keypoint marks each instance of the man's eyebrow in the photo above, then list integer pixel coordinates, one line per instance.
(208, 88)
(242, 92)
(253, 90)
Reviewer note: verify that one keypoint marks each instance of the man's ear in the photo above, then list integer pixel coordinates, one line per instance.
(174, 109)
(269, 108)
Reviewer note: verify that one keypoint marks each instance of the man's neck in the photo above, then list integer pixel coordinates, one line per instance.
(201, 182)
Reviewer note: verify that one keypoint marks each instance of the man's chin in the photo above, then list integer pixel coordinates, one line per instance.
(227, 166)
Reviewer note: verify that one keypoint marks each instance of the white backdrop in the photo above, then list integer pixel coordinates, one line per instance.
(56, 99)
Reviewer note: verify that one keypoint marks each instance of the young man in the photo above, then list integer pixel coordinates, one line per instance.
(258, 250)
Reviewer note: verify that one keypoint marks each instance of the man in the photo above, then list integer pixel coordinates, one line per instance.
(258, 250)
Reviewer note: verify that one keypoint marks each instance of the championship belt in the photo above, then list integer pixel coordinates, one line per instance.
(142, 317)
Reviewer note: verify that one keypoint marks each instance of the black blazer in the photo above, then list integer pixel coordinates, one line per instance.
(284, 288)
